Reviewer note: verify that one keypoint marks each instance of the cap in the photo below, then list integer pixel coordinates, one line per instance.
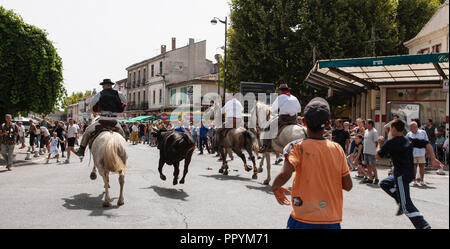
(317, 113)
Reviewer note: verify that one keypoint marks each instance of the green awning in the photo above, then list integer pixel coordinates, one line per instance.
(386, 61)
(359, 74)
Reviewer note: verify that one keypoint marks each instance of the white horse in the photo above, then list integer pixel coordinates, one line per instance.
(259, 115)
(108, 151)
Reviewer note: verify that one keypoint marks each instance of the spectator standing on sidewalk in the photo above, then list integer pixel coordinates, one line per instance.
(418, 153)
(60, 132)
(9, 132)
(370, 150)
(431, 131)
(21, 132)
(72, 136)
(32, 132)
(203, 131)
(341, 136)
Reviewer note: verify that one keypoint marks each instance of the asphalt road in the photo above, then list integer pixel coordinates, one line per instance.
(62, 196)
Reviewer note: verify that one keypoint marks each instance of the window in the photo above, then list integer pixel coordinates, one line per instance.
(134, 98)
(153, 70)
(173, 96)
(160, 68)
(154, 101)
(145, 71)
(437, 49)
(139, 98)
(160, 96)
(143, 98)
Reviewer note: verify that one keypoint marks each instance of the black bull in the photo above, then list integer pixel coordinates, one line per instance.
(173, 147)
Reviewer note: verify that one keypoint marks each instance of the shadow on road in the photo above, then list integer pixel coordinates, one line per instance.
(264, 188)
(223, 177)
(87, 202)
(171, 193)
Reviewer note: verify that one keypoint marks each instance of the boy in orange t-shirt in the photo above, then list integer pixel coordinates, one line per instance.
(321, 172)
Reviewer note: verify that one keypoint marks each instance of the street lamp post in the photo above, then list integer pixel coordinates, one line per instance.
(214, 22)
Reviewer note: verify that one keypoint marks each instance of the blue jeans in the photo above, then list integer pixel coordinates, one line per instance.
(295, 224)
(398, 188)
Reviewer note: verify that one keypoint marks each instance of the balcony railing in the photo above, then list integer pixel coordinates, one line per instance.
(133, 106)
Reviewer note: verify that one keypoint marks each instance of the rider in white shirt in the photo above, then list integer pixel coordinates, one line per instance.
(233, 112)
(288, 106)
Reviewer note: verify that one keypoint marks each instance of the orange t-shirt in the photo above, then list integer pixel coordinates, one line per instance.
(319, 166)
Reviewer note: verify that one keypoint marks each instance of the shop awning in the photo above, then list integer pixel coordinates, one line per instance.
(360, 74)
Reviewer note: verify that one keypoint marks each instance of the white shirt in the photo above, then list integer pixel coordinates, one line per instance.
(44, 131)
(72, 130)
(421, 134)
(370, 141)
(233, 109)
(21, 130)
(135, 128)
(287, 104)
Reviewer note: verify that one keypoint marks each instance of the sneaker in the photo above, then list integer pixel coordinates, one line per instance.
(9, 168)
(440, 172)
(47, 161)
(365, 180)
(81, 159)
(370, 181)
(376, 181)
(415, 183)
(63, 156)
(422, 183)
(57, 160)
(66, 161)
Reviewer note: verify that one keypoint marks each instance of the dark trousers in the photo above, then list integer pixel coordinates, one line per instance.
(204, 141)
(398, 189)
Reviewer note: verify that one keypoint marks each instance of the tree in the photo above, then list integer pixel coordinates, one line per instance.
(31, 77)
(278, 40)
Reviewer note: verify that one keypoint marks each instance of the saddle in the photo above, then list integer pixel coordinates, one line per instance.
(104, 125)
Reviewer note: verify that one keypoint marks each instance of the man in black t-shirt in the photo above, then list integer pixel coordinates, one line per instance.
(397, 185)
(60, 134)
(341, 136)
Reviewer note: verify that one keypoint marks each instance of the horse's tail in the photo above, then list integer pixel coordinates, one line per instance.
(114, 155)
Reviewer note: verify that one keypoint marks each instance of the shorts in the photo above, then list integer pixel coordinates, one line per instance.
(295, 224)
(71, 142)
(54, 151)
(32, 138)
(419, 160)
(369, 160)
(44, 141)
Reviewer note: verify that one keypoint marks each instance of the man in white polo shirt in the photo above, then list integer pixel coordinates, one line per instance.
(418, 154)
(72, 136)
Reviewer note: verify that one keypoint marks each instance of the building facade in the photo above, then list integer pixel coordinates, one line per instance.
(150, 81)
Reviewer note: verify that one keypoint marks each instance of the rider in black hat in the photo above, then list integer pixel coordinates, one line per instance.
(108, 103)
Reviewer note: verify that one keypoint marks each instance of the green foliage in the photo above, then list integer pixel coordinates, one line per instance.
(275, 40)
(30, 69)
(74, 98)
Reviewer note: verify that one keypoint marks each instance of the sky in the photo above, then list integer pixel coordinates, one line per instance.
(98, 39)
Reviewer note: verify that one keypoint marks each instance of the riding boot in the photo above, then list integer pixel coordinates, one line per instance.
(267, 146)
(80, 151)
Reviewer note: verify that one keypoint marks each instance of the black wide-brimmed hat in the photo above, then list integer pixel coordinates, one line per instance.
(106, 81)
(284, 87)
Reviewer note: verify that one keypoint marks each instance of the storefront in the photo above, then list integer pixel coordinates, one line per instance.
(409, 85)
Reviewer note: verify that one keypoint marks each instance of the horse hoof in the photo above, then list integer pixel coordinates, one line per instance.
(266, 182)
(93, 176)
(163, 177)
(120, 203)
(106, 204)
(248, 168)
(260, 170)
(225, 173)
(175, 182)
(182, 182)
(220, 170)
(255, 176)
